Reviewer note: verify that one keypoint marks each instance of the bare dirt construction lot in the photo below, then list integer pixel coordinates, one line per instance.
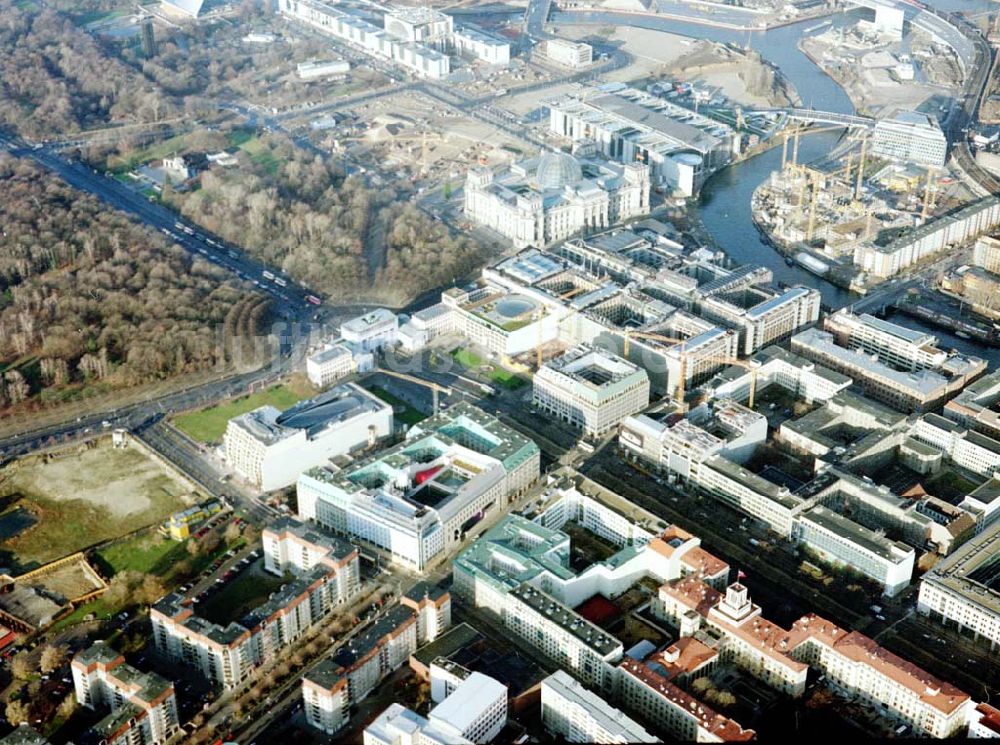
(84, 496)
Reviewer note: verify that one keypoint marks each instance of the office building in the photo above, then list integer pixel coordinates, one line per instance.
(518, 550)
(911, 137)
(372, 331)
(228, 654)
(476, 709)
(681, 147)
(143, 707)
(895, 345)
(330, 364)
(421, 25)
(963, 447)
(963, 590)
(573, 54)
(907, 389)
(554, 196)
(801, 377)
(590, 389)
(422, 59)
(420, 498)
(978, 406)
(182, 8)
(568, 639)
(841, 541)
(648, 688)
(476, 43)
(270, 448)
(571, 712)
(316, 69)
(762, 318)
(853, 665)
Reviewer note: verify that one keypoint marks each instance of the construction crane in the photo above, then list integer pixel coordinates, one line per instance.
(928, 196)
(422, 138)
(435, 388)
(816, 178)
(750, 365)
(861, 170)
(670, 340)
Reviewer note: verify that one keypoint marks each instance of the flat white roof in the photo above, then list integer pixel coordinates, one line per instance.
(468, 702)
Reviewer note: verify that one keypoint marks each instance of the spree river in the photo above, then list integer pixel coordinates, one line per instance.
(725, 198)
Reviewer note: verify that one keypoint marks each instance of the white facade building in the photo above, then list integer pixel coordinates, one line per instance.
(419, 499)
(573, 54)
(555, 196)
(314, 69)
(911, 137)
(681, 147)
(963, 589)
(842, 541)
(330, 365)
(572, 712)
(590, 389)
(486, 47)
(372, 331)
(270, 448)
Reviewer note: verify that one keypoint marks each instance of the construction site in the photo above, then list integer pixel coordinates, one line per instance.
(820, 213)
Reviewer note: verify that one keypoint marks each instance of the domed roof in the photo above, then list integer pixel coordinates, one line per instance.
(556, 170)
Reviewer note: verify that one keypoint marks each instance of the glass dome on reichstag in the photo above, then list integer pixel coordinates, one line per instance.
(556, 170)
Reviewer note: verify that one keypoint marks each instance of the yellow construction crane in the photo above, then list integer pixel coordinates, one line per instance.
(435, 388)
(670, 340)
(746, 365)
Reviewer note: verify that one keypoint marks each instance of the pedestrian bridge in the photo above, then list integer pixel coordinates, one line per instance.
(815, 116)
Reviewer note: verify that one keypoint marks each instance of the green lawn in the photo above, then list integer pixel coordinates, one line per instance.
(507, 379)
(208, 425)
(467, 358)
(153, 152)
(408, 416)
(149, 553)
(261, 154)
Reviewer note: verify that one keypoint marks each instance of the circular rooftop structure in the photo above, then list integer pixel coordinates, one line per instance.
(557, 169)
(515, 306)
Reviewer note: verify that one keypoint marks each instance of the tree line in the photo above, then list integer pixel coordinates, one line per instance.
(91, 300)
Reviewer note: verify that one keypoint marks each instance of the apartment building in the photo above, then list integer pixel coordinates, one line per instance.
(418, 499)
(901, 347)
(143, 707)
(575, 714)
(332, 687)
(228, 654)
(270, 448)
(964, 589)
(853, 664)
(590, 389)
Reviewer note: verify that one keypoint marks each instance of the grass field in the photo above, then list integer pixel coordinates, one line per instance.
(261, 154)
(467, 358)
(409, 415)
(85, 498)
(208, 425)
(506, 379)
(149, 553)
